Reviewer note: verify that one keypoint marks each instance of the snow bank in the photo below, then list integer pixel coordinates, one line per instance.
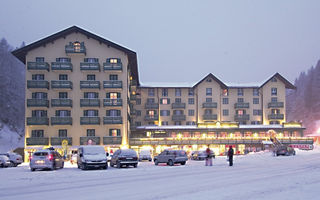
(9, 140)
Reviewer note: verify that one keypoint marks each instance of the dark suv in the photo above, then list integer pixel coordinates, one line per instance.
(171, 157)
(125, 157)
(285, 151)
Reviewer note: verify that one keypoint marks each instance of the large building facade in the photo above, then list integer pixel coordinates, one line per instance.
(83, 89)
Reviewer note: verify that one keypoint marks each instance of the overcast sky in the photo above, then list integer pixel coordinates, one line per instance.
(182, 41)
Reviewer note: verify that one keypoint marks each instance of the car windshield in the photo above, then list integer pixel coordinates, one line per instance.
(93, 151)
(40, 154)
(128, 152)
(181, 153)
(145, 153)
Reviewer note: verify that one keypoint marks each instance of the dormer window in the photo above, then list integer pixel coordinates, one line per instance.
(113, 60)
(75, 48)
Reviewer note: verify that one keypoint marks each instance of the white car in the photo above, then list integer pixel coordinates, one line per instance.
(14, 158)
(4, 161)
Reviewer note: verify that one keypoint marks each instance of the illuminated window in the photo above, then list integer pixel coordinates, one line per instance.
(114, 132)
(240, 112)
(165, 101)
(113, 60)
(77, 46)
(114, 95)
(150, 113)
(225, 92)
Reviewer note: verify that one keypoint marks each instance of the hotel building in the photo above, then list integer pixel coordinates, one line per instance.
(82, 89)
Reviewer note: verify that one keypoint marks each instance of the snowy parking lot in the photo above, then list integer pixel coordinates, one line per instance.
(255, 176)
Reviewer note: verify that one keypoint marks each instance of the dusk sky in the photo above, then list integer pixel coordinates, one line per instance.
(182, 41)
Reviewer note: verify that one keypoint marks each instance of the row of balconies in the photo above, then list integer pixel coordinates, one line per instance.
(68, 120)
(68, 102)
(38, 84)
(107, 140)
(67, 66)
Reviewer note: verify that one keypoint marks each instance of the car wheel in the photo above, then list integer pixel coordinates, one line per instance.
(32, 169)
(118, 165)
(156, 162)
(53, 166)
(170, 162)
(183, 163)
(150, 160)
(83, 166)
(135, 165)
(12, 164)
(62, 165)
(111, 165)
(105, 167)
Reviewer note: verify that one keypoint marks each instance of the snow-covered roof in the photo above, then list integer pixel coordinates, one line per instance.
(154, 127)
(244, 85)
(166, 84)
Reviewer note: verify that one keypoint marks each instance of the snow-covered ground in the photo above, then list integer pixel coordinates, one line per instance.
(255, 176)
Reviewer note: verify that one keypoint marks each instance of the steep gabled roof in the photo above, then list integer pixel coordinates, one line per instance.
(285, 81)
(133, 64)
(214, 78)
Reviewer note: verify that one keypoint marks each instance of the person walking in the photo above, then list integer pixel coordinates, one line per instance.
(230, 155)
(209, 157)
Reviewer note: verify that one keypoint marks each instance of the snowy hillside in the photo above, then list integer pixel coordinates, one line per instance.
(9, 140)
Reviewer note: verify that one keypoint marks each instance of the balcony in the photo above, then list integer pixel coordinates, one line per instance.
(178, 117)
(58, 140)
(38, 84)
(112, 120)
(276, 116)
(61, 102)
(73, 48)
(37, 121)
(89, 120)
(89, 102)
(151, 118)
(112, 102)
(61, 85)
(112, 67)
(112, 84)
(87, 66)
(209, 105)
(38, 66)
(178, 105)
(107, 140)
(210, 117)
(244, 117)
(61, 121)
(37, 103)
(93, 139)
(37, 141)
(61, 66)
(89, 84)
(151, 106)
(241, 105)
(275, 105)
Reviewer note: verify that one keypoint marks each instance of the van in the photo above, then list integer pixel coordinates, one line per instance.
(92, 157)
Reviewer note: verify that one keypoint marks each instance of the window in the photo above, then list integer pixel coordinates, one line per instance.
(164, 123)
(274, 79)
(274, 122)
(63, 60)
(63, 77)
(225, 92)
(165, 92)
(77, 46)
(240, 91)
(113, 95)
(190, 100)
(138, 101)
(37, 133)
(240, 112)
(257, 112)
(37, 77)
(255, 122)
(209, 80)
(39, 95)
(91, 77)
(151, 92)
(63, 113)
(39, 59)
(274, 99)
(255, 100)
(207, 111)
(274, 91)
(165, 101)
(240, 100)
(191, 92)
(209, 91)
(190, 112)
(275, 111)
(39, 113)
(151, 113)
(138, 123)
(208, 100)
(190, 123)
(178, 92)
(177, 100)
(225, 112)
(138, 112)
(178, 112)
(225, 100)
(164, 112)
(91, 132)
(255, 92)
(114, 132)
(114, 60)
(91, 60)
(113, 77)
(150, 100)
(90, 113)
(113, 113)
(177, 123)
(63, 95)
(63, 133)
(91, 95)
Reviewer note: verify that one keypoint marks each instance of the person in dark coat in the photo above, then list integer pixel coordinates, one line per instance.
(230, 155)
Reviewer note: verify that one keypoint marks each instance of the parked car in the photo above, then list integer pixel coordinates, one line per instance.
(171, 157)
(145, 155)
(92, 156)
(285, 151)
(125, 157)
(4, 161)
(198, 155)
(14, 158)
(46, 159)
